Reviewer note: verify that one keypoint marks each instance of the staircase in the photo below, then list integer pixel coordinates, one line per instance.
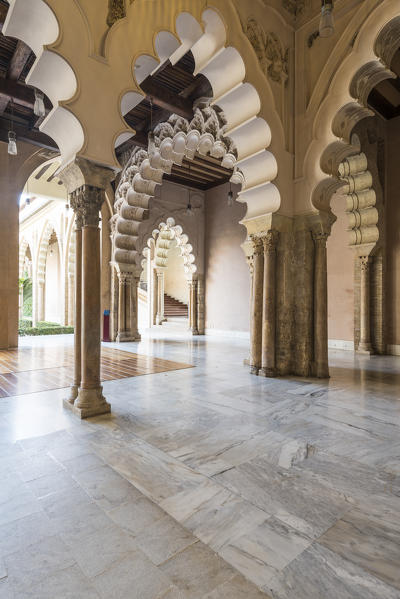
(174, 308)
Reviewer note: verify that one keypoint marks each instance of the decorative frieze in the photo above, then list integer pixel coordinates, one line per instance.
(116, 11)
(269, 50)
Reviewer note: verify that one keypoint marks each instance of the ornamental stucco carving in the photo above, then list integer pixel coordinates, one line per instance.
(116, 11)
(269, 50)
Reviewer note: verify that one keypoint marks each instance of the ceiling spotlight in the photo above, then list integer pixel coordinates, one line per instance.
(326, 23)
(38, 108)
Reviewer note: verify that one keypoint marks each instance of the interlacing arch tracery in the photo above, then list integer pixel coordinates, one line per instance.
(165, 237)
(48, 230)
(23, 246)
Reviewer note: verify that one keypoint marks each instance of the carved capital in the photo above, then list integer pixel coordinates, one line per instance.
(91, 200)
(75, 200)
(364, 263)
(257, 245)
(320, 239)
(270, 241)
(124, 277)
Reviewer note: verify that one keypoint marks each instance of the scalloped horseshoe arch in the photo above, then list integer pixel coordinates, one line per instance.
(342, 159)
(225, 126)
(34, 22)
(163, 238)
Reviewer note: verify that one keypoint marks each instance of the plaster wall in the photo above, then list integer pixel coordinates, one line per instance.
(340, 276)
(393, 232)
(175, 282)
(227, 274)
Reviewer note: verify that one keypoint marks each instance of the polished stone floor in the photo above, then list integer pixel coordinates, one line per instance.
(206, 483)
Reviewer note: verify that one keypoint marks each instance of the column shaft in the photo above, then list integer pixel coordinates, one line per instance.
(257, 306)
(268, 361)
(193, 308)
(200, 305)
(78, 314)
(365, 324)
(121, 306)
(320, 306)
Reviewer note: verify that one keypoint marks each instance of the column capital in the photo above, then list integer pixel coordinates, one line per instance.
(125, 276)
(82, 172)
(257, 245)
(320, 238)
(364, 262)
(270, 241)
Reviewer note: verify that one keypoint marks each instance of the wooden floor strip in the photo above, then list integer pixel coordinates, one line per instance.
(28, 370)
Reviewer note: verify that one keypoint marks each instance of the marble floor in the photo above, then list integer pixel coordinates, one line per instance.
(206, 483)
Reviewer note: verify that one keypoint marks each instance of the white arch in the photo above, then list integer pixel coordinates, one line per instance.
(239, 101)
(164, 236)
(34, 22)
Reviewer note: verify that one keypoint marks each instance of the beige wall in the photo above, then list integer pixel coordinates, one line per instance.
(393, 231)
(340, 276)
(175, 282)
(227, 273)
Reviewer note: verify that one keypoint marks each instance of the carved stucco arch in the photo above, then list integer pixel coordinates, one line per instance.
(345, 103)
(23, 246)
(43, 246)
(162, 239)
(342, 159)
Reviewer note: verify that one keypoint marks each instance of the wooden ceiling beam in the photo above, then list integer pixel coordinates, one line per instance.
(18, 60)
(21, 94)
(164, 98)
(36, 138)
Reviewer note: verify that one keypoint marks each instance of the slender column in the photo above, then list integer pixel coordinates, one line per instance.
(365, 326)
(320, 306)
(257, 306)
(154, 296)
(193, 307)
(90, 401)
(134, 308)
(160, 297)
(121, 305)
(41, 301)
(268, 366)
(71, 294)
(76, 204)
(200, 305)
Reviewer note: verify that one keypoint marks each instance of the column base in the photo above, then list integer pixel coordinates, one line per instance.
(364, 348)
(254, 369)
(127, 336)
(91, 402)
(267, 372)
(72, 396)
(194, 331)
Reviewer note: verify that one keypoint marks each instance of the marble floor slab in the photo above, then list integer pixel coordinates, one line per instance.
(206, 483)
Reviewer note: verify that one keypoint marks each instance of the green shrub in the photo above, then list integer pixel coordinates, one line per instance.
(27, 297)
(42, 328)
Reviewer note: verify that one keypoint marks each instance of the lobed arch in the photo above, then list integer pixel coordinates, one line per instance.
(43, 246)
(161, 241)
(34, 22)
(345, 104)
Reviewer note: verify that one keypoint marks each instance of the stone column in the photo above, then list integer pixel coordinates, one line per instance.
(76, 205)
(71, 302)
(268, 361)
(40, 301)
(154, 297)
(193, 307)
(90, 401)
(365, 327)
(134, 311)
(200, 305)
(160, 297)
(257, 305)
(127, 307)
(321, 369)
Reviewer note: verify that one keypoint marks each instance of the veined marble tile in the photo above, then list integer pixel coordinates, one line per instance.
(306, 505)
(264, 550)
(370, 541)
(215, 515)
(319, 573)
(66, 583)
(163, 539)
(236, 588)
